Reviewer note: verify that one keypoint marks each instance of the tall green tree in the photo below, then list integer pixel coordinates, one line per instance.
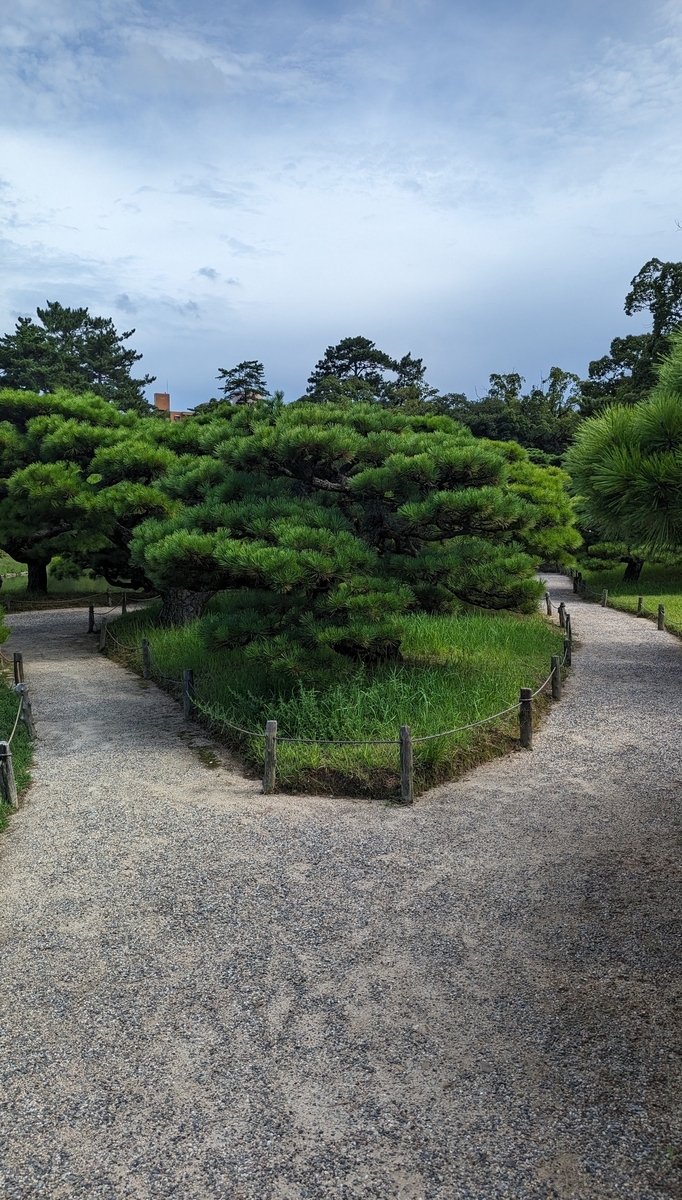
(69, 349)
(76, 477)
(334, 517)
(629, 371)
(356, 370)
(544, 418)
(626, 467)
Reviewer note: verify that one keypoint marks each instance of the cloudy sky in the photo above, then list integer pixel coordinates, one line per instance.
(476, 182)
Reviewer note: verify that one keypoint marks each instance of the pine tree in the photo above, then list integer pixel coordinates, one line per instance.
(334, 519)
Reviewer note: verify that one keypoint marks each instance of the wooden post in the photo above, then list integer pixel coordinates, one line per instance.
(406, 765)
(102, 633)
(640, 604)
(568, 641)
(124, 604)
(526, 718)
(8, 787)
(91, 618)
(556, 677)
(21, 690)
(18, 667)
(188, 693)
(270, 757)
(576, 581)
(146, 659)
(8, 603)
(661, 617)
(605, 598)
(548, 602)
(109, 605)
(583, 587)
(562, 615)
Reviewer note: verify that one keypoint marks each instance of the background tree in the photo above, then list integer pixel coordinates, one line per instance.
(332, 518)
(244, 384)
(355, 370)
(76, 476)
(73, 350)
(626, 467)
(628, 372)
(544, 419)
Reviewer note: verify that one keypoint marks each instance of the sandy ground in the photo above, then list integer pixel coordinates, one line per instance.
(205, 992)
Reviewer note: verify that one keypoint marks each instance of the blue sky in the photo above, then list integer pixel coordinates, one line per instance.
(474, 182)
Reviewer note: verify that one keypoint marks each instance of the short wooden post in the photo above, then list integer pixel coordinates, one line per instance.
(91, 618)
(406, 765)
(18, 667)
(8, 786)
(562, 615)
(21, 690)
(526, 718)
(146, 659)
(548, 602)
(556, 677)
(661, 617)
(109, 605)
(8, 603)
(640, 606)
(583, 587)
(188, 693)
(102, 633)
(124, 604)
(605, 598)
(270, 757)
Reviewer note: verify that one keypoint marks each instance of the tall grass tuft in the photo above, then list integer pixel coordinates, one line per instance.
(455, 670)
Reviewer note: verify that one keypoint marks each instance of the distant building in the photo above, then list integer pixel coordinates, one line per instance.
(162, 403)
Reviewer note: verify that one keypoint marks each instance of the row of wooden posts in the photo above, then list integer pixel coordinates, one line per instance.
(8, 785)
(580, 588)
(405, 739)
(406, 749)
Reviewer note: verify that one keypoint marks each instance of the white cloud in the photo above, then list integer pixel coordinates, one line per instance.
(477, 185)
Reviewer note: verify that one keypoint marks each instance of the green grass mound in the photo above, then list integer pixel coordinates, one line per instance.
(455, 670)
(657, 585)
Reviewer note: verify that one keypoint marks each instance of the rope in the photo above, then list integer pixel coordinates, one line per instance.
(16, 722)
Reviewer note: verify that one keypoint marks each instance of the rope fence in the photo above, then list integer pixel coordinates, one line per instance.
(582, 589)
(8, 786)
(193, 705)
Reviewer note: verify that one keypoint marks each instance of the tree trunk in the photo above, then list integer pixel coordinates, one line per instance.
(37, 577)
(180, 605)
(633, 570)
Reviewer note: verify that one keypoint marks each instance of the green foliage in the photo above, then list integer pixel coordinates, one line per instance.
(76, 476)
(72, 350)
(453, 670)
(630, 370)
(626, 466)
(355, 370)
(658, 584)
(544, 418)
(337, 519)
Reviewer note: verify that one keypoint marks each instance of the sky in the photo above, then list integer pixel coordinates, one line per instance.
(473, 182)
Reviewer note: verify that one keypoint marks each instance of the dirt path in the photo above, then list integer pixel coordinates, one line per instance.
(205, 992)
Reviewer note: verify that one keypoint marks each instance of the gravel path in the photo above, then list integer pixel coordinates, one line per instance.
(209, 993)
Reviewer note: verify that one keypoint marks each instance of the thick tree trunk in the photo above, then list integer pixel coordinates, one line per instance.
(37, 577)
(633, 570)
(180, 605)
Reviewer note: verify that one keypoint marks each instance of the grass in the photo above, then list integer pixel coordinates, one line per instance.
(657, 585)
(22, 748)
(455, 670)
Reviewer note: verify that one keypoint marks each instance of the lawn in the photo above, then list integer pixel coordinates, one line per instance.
(455, 670)
(657, 585)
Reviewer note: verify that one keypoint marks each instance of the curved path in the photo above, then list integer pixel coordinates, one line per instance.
(209, 993)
